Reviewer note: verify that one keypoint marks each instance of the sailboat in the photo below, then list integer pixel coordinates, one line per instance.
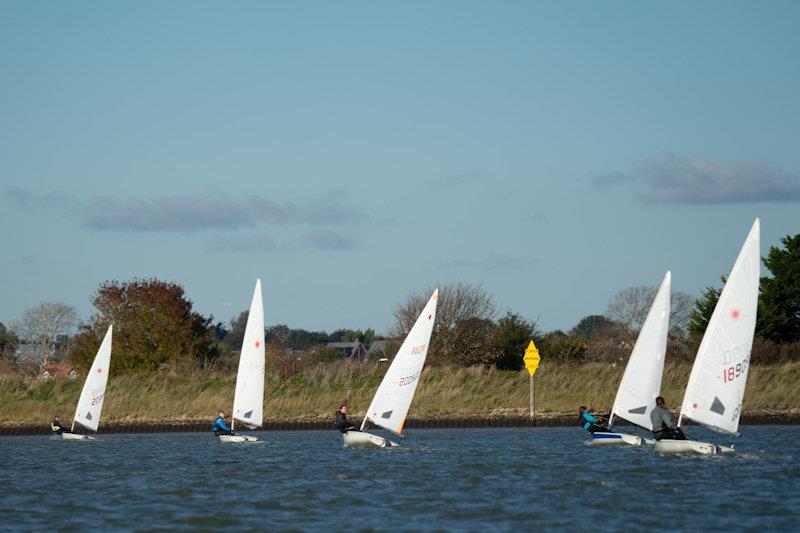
(90, 404)
(641, 382)
(716, 385)
(390, 405)
(248, 401)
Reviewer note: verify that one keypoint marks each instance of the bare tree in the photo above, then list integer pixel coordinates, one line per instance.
(631, 305)
(42, 326)
(459, 304)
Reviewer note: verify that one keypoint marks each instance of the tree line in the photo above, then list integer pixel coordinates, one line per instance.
(155, 326)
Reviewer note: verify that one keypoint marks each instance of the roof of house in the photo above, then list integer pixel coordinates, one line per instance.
(353, 344)
(377, 346)
(60, 369)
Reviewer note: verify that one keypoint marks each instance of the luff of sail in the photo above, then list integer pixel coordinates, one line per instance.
(248, 402)
(90, 404)
(390, 405)
(641, 382)
(719, 375)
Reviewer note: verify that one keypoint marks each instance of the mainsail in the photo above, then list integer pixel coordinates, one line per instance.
(90, 404)
(641, 382)
(248, 403)
(393, 399)
(719, 375)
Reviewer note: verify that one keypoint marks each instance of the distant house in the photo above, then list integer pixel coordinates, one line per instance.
(63, 370)
(353, 350)
(377, 350)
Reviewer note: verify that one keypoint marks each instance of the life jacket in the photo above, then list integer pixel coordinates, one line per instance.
(584, 422)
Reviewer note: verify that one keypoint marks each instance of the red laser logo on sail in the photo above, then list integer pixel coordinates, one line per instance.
(736, 314)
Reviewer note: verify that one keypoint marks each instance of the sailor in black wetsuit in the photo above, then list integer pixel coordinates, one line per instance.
(57, 428)
(341, 420)
(663, 426)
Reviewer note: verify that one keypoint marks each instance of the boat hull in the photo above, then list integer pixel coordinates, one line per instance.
(602, 438)
(690, 446)
(237, 438)
(362, 439)
(75, 436)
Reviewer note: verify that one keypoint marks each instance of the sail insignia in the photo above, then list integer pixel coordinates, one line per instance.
(717, 407)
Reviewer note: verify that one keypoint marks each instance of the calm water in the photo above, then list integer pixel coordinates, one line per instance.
(453, 479)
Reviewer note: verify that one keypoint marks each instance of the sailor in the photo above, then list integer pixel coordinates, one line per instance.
(663, 427)
(341, 420)
(220, 427)
(57, 428)
(589, 422)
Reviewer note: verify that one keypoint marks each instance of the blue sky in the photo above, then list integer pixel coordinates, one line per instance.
(349, 153)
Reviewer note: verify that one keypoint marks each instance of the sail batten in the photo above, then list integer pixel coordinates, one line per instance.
(90, 404)
(248, 402)
(393, 398)
(716, 385)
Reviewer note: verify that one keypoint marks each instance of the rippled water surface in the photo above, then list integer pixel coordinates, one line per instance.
(449, 479)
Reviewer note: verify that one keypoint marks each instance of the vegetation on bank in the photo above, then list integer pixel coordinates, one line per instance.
(314, 393)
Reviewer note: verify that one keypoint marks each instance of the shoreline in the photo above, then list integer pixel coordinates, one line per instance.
(203, 426)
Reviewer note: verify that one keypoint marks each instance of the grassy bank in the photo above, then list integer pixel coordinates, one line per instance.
(316, 393)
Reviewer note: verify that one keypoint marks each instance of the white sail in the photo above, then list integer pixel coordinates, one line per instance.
(248, 403)
(719, 375)
(90, 403)
(641, 382)
(393, 399)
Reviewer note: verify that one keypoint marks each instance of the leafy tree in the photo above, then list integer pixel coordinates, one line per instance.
(8, 342)
(511, 336)
(297, 339)
(323, 354)
(559, 345)
(703, 309)
(233, 340)
(347, 335)
(154, 324)
(594, 327)
(779, 305)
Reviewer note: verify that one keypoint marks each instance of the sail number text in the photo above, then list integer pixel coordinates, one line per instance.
(418, 349)
(732, 369)
(408, 380)
(732, 372)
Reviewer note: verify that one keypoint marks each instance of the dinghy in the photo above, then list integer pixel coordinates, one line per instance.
(90, 404)
(641, 382)
(248, 401)
(716, 385)
(390, 405)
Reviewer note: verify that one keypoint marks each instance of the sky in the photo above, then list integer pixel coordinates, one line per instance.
(350, 153)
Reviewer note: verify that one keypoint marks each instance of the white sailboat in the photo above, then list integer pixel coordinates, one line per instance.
(716, 385)
(641, 382)
(390, 405)
(90, 404)
(248, 401)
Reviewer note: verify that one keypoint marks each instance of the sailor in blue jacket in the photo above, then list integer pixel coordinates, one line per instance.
(220, 427)
(589, 422)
